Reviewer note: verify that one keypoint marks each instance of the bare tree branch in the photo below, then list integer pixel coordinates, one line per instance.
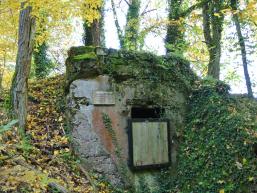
(127, 2)
(148, 11)
(145, 8)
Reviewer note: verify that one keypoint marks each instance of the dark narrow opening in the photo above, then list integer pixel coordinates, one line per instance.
(139, 112)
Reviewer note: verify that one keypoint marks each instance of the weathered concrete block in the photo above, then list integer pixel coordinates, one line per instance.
(100, 129)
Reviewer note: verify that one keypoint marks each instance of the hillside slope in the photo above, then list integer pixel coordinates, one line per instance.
(41, 160)
(217, 151)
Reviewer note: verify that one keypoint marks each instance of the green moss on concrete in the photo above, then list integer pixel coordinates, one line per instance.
(74, 51)
(89, 55)
(123, 65)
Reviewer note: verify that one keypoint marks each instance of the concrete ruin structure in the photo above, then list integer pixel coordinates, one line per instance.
(126, 112)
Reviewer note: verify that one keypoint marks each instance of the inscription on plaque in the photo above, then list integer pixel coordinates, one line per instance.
(103, 98)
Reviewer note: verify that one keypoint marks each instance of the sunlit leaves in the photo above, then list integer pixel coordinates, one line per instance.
(53, 19)
(250, 12)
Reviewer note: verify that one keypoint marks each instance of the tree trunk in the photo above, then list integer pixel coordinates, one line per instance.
(118, 28)
(214, 60)
(212, 28)
(87, 36)
(94, 33)
(132, 26)
(19, 90)
(129, 39)
(242, 48)
(175, 37)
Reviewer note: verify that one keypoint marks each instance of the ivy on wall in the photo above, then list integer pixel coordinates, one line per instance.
(216, 153)
(121, 166)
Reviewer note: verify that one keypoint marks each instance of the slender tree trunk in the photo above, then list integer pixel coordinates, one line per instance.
(19, 90)
(242, 48)
(118, 28)
(101, 25)
(212, 28)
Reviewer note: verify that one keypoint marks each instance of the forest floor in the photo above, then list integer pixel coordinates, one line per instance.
(41, 160)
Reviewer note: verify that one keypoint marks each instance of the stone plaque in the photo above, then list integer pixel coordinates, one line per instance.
(103, 98)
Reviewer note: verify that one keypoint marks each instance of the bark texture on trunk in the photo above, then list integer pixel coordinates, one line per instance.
(212, 28)
(242, 48)
(92, 34)
(19, 90)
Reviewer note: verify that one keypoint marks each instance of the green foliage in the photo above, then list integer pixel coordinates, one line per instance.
(108, 125)
(132, 26)
(26, 146)
(43, 65)
(122, 167)
(174, 41)
(70, 159)
(216, 152)
(5, 100)
(143, 185)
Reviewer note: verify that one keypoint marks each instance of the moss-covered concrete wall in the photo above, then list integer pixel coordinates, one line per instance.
(136, 79)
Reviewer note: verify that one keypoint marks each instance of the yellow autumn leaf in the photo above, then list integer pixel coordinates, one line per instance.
(222, 191)
(217, 14)
(56, 152)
